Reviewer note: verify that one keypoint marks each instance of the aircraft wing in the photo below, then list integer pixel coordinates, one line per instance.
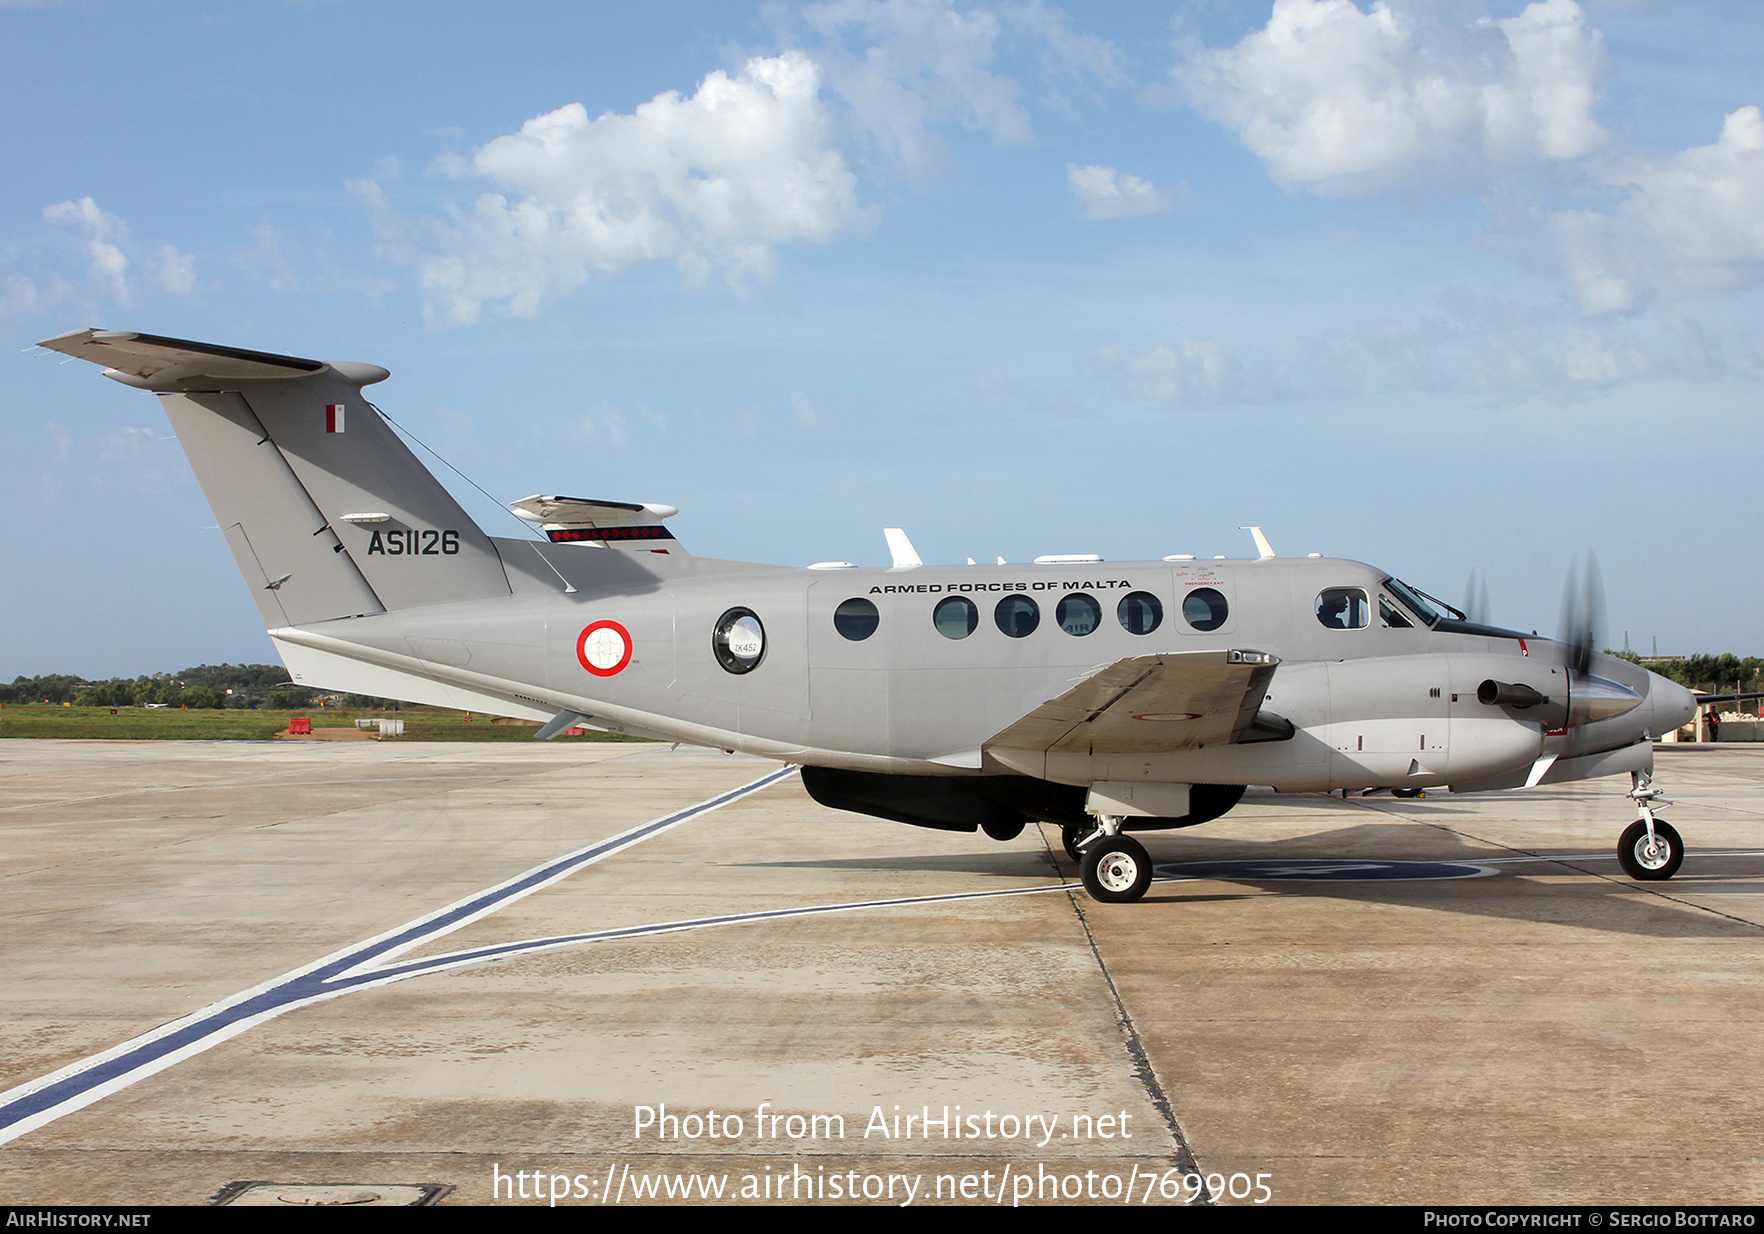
(1150, 705)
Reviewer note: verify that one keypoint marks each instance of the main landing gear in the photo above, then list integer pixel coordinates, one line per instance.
(1115, 867)
(1650, 849)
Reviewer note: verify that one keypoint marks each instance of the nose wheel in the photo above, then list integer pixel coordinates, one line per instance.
(1650, 848)
(1115, 867)
(1650, 857)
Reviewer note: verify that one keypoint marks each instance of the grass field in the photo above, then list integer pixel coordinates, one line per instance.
(176, 724)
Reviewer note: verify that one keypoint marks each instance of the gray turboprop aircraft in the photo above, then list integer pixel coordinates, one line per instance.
(1104, 697)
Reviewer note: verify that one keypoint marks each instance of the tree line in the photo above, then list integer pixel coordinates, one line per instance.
(1722, 674)
(206, 686)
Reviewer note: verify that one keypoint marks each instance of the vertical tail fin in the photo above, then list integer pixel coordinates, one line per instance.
(327, 511)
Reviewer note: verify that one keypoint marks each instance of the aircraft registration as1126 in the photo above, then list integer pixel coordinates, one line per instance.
(1104, 697)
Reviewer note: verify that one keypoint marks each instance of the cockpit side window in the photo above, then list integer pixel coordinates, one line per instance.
(1411, 599)
(1391, 617)
(1342, 608)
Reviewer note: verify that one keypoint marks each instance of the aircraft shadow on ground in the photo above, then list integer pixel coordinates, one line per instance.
(1516, 892)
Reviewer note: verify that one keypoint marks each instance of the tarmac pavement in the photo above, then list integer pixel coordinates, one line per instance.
(1443, 1000)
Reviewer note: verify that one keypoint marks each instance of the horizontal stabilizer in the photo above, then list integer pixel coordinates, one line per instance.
(150, 361)
(608, 524)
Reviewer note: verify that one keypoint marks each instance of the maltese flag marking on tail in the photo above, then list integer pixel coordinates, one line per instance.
(333, 417)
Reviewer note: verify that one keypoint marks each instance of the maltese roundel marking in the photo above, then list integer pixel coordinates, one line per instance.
(604, 648)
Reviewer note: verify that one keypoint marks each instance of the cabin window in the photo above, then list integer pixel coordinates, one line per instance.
(1139, 612)
(1017, 616)
(856, 619)
(1204, 608)
(739, 640)
(1342, 608)
(955, 617)
(1078, 614)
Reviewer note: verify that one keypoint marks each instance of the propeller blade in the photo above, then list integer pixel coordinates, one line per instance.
(1583, 610)
(1476, 598)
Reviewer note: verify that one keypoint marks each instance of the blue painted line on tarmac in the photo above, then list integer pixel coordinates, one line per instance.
(41, 1101)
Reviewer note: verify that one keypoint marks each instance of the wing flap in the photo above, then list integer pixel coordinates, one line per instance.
(1149, 705)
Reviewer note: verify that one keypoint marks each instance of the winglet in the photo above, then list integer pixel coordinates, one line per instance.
(1264, 550)
(901, 549)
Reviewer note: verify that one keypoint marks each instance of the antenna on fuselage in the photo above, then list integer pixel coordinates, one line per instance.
(901, 549)
(1264, 550)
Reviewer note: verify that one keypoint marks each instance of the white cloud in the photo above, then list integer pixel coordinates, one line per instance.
(905, 67)
(1106, 193)
(710, 182)
(176, 271)
(1694, 220)
(1349, 102)
(1192, 372)
(105, 233)
(107, 251)
(21, 295)
(287, 265)
(1465, 345)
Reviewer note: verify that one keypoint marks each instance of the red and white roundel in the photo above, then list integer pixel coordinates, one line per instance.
(604, 648)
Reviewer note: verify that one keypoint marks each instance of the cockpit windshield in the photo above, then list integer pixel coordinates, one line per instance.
(1412, 598)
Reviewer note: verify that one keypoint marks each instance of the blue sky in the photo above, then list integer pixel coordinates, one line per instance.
(1441, 286)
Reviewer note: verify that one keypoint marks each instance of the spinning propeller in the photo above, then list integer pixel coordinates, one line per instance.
(1476, 599)
(1583, 610)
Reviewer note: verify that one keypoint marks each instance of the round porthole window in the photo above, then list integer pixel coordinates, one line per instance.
(739, 640)
(1139, 612)
(1017, 616)
(955, 617)
(856, 619)
(1078, 614)
(1204, 608)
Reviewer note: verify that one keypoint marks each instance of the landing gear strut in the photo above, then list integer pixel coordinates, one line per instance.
(1072, 840)
(1650, 849)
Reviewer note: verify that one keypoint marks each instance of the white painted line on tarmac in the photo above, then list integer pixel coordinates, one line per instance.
(1689, 853)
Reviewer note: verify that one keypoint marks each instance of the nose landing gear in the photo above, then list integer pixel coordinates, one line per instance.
(1116, 868)
(1650, 849)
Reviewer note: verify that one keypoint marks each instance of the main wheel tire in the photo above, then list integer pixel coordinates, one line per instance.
(1639, 861)
(1116, 869)
(1003, 831)
(1069, 837)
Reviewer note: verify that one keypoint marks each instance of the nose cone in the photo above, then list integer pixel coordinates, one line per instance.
(1673, 705)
